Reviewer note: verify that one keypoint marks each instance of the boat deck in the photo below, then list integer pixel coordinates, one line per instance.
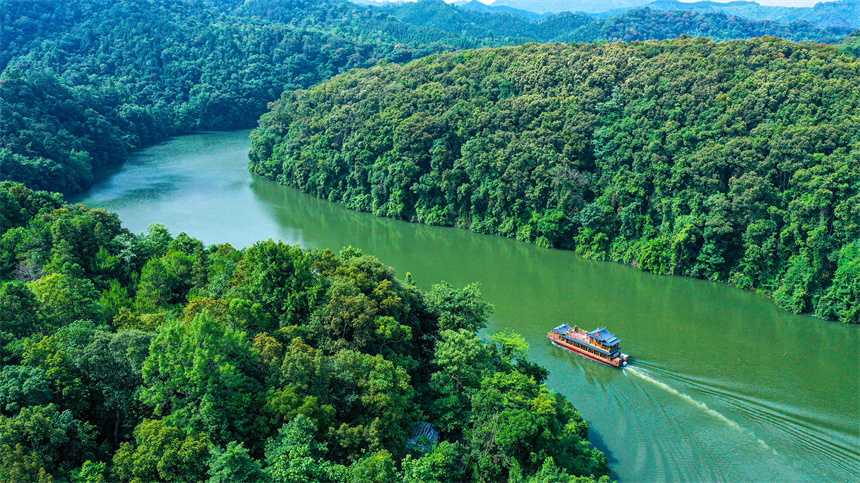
(584, 338)
(578, 336)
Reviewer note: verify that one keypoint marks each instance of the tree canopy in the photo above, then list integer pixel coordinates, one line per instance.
(733, 161)
(272, 363)
(85, 82)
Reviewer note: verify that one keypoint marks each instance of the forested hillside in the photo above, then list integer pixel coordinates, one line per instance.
(154, 358)
(839, 13)
(85, 82)
(88, 81)
(637, 24)
(830, 13)
(647, 24)
(735, 161)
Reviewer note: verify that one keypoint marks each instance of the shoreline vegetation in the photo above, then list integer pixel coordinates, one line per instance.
(732, 161)
(155, 358)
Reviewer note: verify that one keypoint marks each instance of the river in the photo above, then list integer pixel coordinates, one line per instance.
(724, 386)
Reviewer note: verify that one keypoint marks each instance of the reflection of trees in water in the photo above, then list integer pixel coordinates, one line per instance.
(524, 281)
(521, 273)
(323, 220)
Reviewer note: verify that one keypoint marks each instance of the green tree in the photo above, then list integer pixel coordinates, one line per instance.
(842, 300)
(91, 472)
(519, 423)
(375, 403)
(459, 308)
(440, 465)
(113, 364)
(19, 310)
(202, 375)
(293, 456)
(18, 465)
(280, 278)
(162, 453)
(68, 383)
(377, 467)
(65, 299)
(113, 299)
(463, 361)
(47, 437)
(22, 386)
(233, 464)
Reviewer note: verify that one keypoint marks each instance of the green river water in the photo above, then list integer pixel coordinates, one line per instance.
(723, 385)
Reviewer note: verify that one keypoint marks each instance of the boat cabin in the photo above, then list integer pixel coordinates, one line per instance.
(606, 340)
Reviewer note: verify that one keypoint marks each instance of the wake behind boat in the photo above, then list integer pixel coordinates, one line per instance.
(599, 345)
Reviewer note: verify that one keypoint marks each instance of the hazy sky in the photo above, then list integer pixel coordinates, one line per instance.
(784, 3)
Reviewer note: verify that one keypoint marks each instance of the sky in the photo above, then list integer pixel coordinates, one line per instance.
(782, 3)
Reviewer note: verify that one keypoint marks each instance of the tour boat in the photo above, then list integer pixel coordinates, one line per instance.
(599, 345)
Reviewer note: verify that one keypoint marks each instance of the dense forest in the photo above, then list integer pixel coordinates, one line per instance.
(736, 161)
(647, 24)
(154, 358)
(851, 44)
(845, 13)
(636, 24)
(85, 82)
(829, 13)
(103, 78)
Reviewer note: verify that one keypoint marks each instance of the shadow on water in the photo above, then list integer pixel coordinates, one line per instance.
(598, 442)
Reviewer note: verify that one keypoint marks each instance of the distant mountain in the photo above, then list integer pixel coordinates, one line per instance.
(636, 24)
(748, 10)
(841, 13)
(646, 24)
(510, 29)
(556, 6)
(476, 6)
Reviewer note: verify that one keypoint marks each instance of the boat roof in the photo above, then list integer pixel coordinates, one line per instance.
(561, 329)
(605, 336)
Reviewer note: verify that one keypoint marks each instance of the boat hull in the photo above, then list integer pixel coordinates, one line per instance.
(576, 350)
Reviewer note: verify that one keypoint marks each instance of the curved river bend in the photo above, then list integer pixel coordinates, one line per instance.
(724, 386)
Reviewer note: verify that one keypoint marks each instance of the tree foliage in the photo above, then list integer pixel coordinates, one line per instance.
(734, 161)
(83, 83)
(272, 363)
